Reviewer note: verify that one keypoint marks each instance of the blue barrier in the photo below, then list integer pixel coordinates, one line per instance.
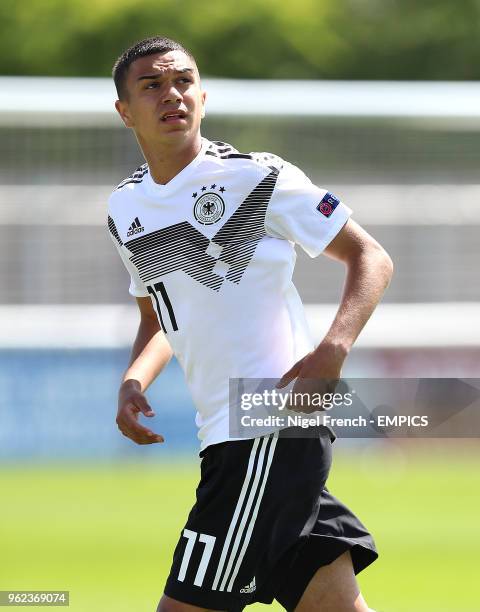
(61, 403)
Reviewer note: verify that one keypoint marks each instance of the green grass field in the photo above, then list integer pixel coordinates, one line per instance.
(107, 532)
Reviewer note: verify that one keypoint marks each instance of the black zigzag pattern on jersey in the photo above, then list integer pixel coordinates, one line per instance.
(177, 247)
(245, 228)
(183, 247)
(136, 177)
(113, 230)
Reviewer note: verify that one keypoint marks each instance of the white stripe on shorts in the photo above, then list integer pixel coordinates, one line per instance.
(241, 513)
(238, 507)
(255, 512)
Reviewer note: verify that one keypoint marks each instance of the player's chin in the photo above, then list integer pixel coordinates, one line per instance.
(176, 132)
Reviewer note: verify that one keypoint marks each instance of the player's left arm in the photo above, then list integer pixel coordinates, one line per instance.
(368, 273)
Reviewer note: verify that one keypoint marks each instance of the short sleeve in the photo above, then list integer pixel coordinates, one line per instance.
(137, 286)
(303, 213)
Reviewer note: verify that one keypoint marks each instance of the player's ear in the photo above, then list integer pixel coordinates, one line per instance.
(123, 111)
(204, 97)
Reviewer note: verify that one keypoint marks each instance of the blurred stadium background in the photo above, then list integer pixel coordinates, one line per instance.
(82, 507)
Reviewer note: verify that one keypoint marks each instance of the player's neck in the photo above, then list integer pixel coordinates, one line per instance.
(165, 163)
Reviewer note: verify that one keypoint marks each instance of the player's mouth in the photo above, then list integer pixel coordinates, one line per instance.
(174, 116)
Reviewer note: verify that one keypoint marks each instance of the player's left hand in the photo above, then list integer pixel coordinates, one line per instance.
(316, 373)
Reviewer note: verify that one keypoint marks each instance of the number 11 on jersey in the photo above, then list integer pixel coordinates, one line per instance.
(159, 289)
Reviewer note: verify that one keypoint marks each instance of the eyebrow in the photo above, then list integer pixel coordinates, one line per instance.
(159, 75)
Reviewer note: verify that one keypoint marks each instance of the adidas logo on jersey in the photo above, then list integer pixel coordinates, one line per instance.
(249, 588)
(135, 228)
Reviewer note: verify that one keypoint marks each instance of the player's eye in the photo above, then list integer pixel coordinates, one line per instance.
(185, 80)
(151, 85)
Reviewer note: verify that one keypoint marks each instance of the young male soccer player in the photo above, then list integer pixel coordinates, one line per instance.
(207, 235)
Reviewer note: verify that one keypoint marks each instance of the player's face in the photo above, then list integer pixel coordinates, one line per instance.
(164, 100)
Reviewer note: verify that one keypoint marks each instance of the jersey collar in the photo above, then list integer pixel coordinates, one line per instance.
(176, 182)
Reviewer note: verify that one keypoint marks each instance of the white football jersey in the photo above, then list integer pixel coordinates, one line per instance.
(214, 250)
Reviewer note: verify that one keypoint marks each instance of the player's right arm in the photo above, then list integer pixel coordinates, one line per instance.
(150, 354)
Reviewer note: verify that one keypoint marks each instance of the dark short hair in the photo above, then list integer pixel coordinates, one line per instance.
(142, 48)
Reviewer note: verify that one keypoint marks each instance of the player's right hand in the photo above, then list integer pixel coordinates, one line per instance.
(132, 402)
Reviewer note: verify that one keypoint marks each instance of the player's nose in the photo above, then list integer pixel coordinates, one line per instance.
(172, 95)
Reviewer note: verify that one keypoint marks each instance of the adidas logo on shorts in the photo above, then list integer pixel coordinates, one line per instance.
(135, 228)
(249, 588)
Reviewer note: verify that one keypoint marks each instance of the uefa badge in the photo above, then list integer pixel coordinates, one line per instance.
(328, 204)
(209, 207)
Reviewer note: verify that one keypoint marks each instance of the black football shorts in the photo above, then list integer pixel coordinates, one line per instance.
(263, 523)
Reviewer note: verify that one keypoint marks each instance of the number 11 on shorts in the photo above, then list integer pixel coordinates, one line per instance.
(209, 542)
